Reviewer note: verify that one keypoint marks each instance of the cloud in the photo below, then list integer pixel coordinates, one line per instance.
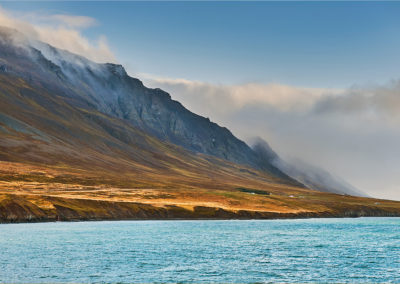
(353, 133)
(74, 21)
(62, 31)
(379, 102)
(231, 98)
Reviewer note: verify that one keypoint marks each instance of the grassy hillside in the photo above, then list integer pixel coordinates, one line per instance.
(31, 192)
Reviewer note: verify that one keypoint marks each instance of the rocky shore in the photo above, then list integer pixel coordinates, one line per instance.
(16, 209)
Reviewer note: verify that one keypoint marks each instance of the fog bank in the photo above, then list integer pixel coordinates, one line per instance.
(352, 133)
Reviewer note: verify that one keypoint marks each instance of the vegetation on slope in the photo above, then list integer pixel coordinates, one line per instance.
(31, 193)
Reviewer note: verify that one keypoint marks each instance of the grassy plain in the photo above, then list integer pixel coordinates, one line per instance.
(31, 192)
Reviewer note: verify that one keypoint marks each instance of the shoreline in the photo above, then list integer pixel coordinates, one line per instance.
(19, 210)
(195, 219)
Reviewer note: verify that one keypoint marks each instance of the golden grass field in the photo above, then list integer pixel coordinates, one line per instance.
(31, 192)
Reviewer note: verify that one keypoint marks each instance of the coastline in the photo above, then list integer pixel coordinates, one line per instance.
(18, 210)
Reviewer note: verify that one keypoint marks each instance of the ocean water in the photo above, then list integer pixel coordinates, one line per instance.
(312, 250)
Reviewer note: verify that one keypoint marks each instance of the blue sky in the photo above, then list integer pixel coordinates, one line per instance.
(314, 44)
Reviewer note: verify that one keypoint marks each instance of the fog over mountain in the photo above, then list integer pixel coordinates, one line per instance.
(59, 30)
(312, 177)
(351, 133)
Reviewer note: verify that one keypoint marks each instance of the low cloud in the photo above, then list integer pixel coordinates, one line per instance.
(61, 31)
(353, 133)
(223, 98)
(378, 102)
(72, 20)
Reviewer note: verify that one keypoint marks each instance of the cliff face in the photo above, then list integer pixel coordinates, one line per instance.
(108, 89)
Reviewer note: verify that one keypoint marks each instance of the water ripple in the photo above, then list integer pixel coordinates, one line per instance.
(314, 250)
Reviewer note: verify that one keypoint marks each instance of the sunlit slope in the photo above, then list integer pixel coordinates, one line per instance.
(38, 193)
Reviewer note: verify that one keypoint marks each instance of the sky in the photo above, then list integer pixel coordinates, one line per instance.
(318, 80)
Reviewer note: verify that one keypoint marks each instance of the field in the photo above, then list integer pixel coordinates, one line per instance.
(30, 192)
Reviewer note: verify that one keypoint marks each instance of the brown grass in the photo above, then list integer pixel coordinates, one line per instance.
(44, 187)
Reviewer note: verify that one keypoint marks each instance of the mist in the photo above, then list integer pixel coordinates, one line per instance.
(351, 133)
(61, 31)
(310, 176)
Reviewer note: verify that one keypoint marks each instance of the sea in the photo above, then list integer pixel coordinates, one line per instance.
(204, 251)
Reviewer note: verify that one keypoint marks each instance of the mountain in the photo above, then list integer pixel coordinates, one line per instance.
(82, 140)
(108, 89)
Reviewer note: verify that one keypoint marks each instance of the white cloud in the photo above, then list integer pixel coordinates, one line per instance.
(73, 21)
(231, 98)
(62, 31)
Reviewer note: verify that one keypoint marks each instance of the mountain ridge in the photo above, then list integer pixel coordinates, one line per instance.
(109, 89)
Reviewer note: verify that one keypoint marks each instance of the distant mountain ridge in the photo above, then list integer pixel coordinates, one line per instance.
(313, 177)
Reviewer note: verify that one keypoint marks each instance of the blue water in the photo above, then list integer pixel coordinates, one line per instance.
(314, 250)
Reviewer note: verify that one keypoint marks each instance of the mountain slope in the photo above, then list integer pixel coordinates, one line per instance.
(84, 114)
(108, 89)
